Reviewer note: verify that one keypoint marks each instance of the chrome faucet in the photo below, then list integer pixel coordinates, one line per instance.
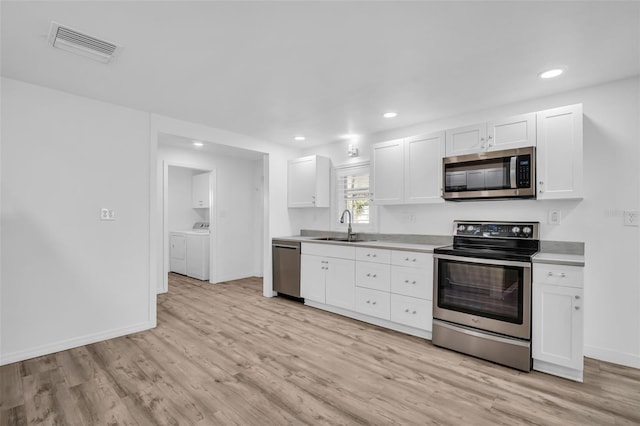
(350, 233)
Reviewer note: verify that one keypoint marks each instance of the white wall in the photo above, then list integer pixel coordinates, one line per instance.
(67, 278)
(611, 155)
(181, 214)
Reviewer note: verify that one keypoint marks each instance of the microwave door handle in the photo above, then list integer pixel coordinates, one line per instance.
(512, 171)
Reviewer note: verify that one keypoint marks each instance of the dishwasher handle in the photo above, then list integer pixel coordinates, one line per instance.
(286, 246)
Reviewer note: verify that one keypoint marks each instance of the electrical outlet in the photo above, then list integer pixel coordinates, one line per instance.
(107, 214)
(630, 217)
(555, 217)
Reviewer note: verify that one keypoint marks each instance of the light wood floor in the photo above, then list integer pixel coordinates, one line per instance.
(223, 355)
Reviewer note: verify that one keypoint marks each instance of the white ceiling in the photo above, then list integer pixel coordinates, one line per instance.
(273, 70)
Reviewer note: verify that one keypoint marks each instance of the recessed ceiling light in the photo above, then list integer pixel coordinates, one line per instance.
(349, 136)
(299, 138)
(551, 73)
(390, 114)
(198, 143)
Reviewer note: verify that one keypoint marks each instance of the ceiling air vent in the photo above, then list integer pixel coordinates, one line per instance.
(68, 39)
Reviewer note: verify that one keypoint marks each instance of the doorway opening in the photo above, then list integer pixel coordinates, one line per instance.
(234, 209)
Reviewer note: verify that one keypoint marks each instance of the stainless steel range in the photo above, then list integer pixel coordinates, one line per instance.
(482, 291)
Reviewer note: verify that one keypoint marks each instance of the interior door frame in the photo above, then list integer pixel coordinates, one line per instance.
(213, 258)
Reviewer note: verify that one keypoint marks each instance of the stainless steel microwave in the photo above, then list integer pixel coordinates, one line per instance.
(509, 173)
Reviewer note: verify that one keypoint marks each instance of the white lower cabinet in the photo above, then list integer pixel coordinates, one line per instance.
(312, 278)
(340, 283)
(558, 320)
(373, 275)
(327, 274)
(390, 288)
(373, 302)
(411, 311)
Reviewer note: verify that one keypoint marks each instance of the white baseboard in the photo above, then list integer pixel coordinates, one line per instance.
(556, 370)
(72, 343)
(233, 277)
(622, 358)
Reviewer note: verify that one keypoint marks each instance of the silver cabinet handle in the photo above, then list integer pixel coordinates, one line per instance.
(406, 310)
(374, 302)
(413, 260)
(374, 275)
(414, 312)
(562, 275)
(550, 274)
(577, 297)
(413, 282)
(577, 308)
(368, 301)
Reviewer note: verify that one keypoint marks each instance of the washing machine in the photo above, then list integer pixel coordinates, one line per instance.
(189, 251)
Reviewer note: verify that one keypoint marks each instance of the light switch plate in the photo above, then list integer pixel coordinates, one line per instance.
(555, 217)
(630, 217)
(107, 214)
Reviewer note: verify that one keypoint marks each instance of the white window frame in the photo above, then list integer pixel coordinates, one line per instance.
(337, 204)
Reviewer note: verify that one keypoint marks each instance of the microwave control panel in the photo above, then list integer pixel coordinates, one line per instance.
(523, 171)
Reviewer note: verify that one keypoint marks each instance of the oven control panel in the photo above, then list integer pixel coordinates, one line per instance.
(527, 230)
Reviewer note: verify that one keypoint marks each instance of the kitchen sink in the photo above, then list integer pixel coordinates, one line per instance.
(342, 239)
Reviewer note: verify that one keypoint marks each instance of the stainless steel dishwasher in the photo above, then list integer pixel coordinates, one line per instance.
(286, 267)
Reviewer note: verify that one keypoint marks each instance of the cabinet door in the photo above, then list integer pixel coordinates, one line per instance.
(302, 182)
(340, 283)
(466, 140)
(559, 153)
(423, 168)
(388, 172)
(557, 334)
(312, 277)
(512, 132)
(200, 191)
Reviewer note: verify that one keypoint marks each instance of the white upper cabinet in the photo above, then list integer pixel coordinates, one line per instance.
(512, 132)
(559, 153)
(309, 180)
(388, 172)
(200, 191)
(408, 170)
(466, 140)
(423, 168)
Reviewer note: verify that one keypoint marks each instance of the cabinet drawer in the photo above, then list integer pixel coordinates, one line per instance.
(411, 258)
(415, 282)
(373, 275)
(373, 255)
(329, 250)
(373, 302)
(411, 311)
(570, 276)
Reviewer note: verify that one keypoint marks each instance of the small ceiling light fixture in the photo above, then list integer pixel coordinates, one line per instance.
(551, 73)
(390, 114)
(198, 144)
(299, 138)
(349, 136)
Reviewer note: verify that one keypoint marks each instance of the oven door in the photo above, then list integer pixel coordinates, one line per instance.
(487, 294)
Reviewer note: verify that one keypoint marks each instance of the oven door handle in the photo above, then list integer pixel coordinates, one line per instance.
(482, 261)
